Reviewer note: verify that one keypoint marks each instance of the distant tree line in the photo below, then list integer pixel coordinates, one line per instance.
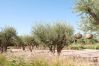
(55, 37)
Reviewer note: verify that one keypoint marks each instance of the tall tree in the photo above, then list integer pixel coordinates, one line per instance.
(89, 8)
(89, 13)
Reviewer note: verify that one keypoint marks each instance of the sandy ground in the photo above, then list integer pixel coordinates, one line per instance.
(74, 53)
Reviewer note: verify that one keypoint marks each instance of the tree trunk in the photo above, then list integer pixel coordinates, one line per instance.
(30, 48)
(23, 47)
(1, 49)
(5, 48)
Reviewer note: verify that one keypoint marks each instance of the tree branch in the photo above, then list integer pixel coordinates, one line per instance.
(93, 14)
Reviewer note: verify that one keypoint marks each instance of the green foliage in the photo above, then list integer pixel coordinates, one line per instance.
(87, 26)
(86, 41)
(53, 36)
(28, 41)
(7, 37)
(19, 41)
(89, 13)
(82, 5)
(87, 7)
(97, 46)
(81, 46)
(8, 34)
(76, 46)
(91, 41)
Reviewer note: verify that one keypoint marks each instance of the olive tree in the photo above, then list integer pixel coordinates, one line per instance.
(55, 36)
(19, 42)
(29, 41)
(7, 36)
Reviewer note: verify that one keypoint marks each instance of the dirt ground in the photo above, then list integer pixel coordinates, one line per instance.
(73, 53)
(86, 55)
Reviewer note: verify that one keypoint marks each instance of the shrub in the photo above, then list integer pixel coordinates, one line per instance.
(81, 46)
(76, 46)
(97, 46)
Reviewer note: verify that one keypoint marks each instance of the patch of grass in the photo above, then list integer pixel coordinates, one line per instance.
(3, 61)
(41, 61)
(38, 62)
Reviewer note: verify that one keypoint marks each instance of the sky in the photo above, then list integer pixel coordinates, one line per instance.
(24, 14)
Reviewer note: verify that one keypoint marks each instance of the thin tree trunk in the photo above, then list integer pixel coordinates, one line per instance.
(1, 49)
(23, 47)
(30, 48)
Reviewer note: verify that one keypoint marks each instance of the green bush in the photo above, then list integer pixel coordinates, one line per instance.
(81, 46)
(97, 46)
(94, 46)
(89, 46)
(76, 46)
